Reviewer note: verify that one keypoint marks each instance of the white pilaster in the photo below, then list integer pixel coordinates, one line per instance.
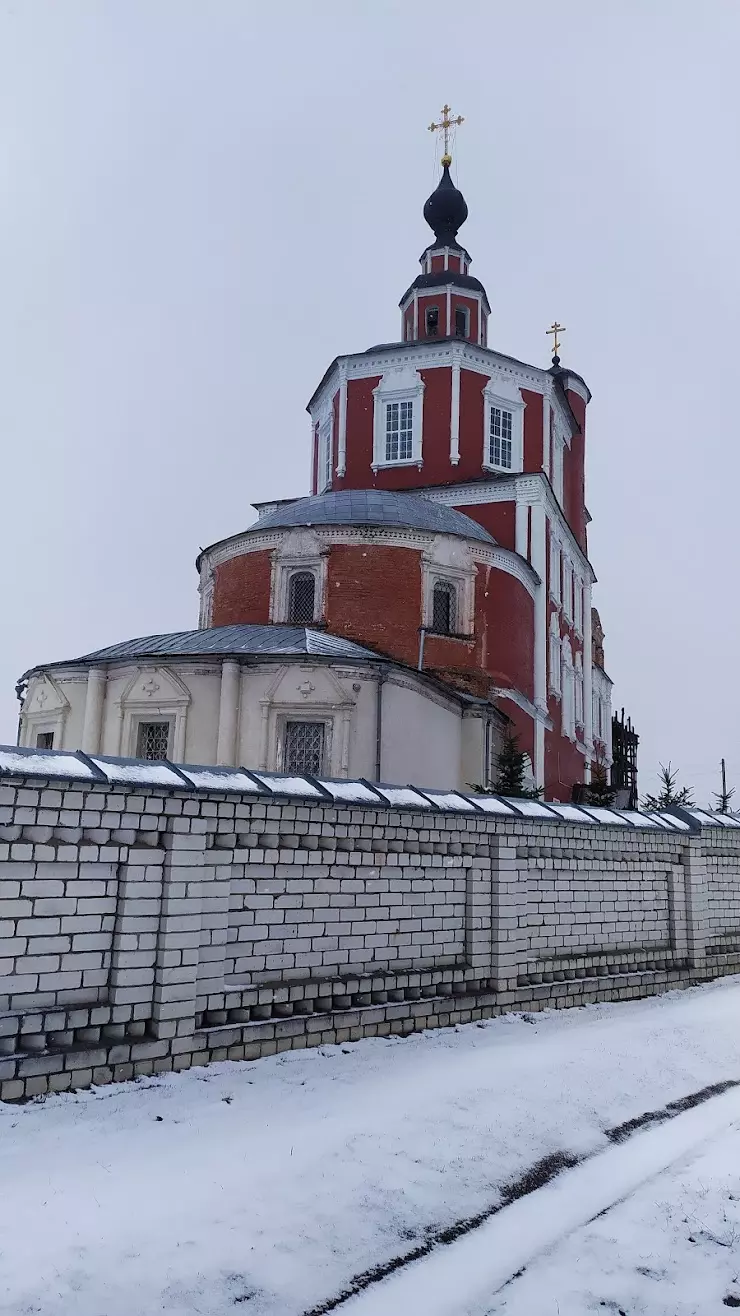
(449, 310)
(588, 730)
(455, 415)
(342, 462)
(416, 315)
(546, 434)
(521, 541)
(227, 713)
(539, 562)
(93, 721)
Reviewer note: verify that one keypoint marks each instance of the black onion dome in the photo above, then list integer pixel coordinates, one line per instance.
(445, 211)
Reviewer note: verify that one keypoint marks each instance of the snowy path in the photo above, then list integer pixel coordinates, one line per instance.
(272, 1185)
(460, 1279)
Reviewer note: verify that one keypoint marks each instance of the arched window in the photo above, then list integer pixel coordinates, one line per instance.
(462, 321)
(431, 320)
(301, 598)
(444, 620)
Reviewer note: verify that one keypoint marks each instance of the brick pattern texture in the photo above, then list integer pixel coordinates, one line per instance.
(142, 932)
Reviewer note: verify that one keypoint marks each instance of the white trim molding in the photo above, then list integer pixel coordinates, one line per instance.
(283, 570)
(504, 396)
(463, 581)
(397, 386)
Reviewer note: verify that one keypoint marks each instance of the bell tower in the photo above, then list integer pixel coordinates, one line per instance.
(445, 301)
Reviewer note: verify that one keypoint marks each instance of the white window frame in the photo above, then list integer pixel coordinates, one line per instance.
(579, 712)
(577, 604)
(464, 584)
(557, 475)
(504, 395)
(466, 312)
(282, 570)
(404, 385)
(555, 656)
(326, 435)
(567, 602)
(556, 552)
(567, 707)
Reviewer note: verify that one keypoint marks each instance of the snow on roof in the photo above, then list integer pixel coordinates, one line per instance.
(350, 792)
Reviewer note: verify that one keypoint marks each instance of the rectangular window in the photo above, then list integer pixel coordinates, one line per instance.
(399, 437)
(304, 747)
(45, 740)
(152, 740)
(462, 322)
(499, 438)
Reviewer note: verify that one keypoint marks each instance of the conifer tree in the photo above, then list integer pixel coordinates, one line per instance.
(670, 794)
(512, 766)
(600, 790)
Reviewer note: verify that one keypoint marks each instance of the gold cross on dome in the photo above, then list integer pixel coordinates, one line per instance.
(555, 329)
(444, 126)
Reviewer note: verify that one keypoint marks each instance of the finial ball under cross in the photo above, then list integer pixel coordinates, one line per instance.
(555, 329)
(444, 126)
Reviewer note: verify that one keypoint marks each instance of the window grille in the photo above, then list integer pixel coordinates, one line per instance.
(153, 740)
(399, 438)
(304, 747)
(443, 608)
(432, 321)
(45, 740)
(301, 598)
(500, 437)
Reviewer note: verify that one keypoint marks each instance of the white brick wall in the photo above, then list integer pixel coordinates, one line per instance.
(141, 931)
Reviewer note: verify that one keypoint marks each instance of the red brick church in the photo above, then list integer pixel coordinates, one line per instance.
(443, 416)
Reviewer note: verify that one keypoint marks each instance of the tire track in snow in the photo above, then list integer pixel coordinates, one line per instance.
(470, 1260)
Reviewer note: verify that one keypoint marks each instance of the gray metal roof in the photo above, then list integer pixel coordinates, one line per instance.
(374, 507)
(221, 640)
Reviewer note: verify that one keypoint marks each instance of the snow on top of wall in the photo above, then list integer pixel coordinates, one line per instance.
(144, 773)
(351, 792)
(289, 786)
(403, 797)
(44, 763)
(221, 779)
(492, 804)
(50, 764)
(573, 814)
(449, 800)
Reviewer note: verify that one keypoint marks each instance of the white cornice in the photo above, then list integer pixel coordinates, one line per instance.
(495, 555)
(430, 356)
(533, 489)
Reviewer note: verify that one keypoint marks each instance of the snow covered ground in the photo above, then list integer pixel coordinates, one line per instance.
(267, 1187)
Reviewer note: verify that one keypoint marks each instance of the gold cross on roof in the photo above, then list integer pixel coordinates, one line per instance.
(555, 329)
(444, 126)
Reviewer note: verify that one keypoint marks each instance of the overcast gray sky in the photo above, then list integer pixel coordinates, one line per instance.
(204, 201)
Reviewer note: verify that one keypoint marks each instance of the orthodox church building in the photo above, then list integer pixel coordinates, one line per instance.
(432, 591)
